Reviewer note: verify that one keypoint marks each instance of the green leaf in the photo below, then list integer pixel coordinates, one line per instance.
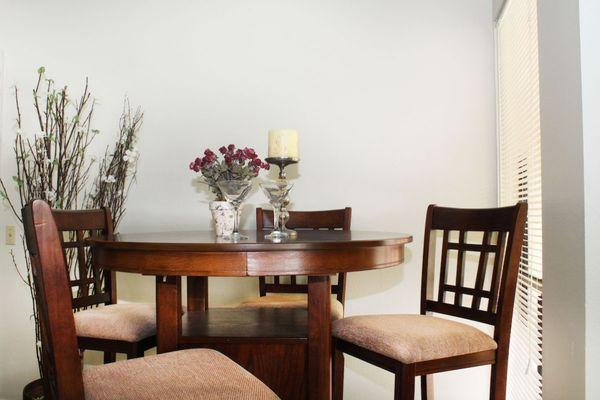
(18, 181)
(41, 70)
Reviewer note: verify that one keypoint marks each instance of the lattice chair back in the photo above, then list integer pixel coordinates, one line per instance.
(90, 284)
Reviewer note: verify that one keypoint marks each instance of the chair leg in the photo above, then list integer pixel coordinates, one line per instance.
(404, 388)
(337, 374)
(498, 381)
(426, 387)
(109, 357)
(135, 353)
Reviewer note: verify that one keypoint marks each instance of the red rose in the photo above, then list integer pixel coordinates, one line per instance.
(231, 147)
(223, 149)
(250, 153)
(239, 155)
(256, 162)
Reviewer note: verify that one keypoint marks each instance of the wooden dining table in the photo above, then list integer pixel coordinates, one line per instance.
(289, 349)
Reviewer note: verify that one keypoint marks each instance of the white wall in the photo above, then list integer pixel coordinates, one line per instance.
(589, 15)
(563, 200)
(394, 101)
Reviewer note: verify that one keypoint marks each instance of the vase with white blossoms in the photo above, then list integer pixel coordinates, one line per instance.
(230, 164)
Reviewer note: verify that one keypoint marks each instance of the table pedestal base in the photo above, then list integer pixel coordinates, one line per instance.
(270, 343)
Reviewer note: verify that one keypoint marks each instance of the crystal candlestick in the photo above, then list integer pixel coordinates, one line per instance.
(281, 162)
(282, 212)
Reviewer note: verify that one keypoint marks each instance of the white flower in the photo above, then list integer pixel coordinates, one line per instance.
(130, 156)
(108, 179)
(50, 195)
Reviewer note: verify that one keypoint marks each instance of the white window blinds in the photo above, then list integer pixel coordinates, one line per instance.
(519, 161)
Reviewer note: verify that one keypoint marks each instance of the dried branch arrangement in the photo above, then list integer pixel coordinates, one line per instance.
(118, 167)
(53, 162)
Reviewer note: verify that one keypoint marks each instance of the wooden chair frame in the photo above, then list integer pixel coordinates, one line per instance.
(61, 363)
(305, 220)
(508, 225)
(95, 286)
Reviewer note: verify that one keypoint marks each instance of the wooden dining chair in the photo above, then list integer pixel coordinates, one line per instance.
(179, 375)
(101, 323)
(420, 345)
(277, 293)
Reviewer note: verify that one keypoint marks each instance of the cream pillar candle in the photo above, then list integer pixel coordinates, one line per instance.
(283, 143)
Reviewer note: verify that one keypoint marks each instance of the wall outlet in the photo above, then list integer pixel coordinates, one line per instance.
(10, 235)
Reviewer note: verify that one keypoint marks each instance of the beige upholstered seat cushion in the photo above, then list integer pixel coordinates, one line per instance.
(292, 300)
(129, 322)
(412, 338)
(180, 375)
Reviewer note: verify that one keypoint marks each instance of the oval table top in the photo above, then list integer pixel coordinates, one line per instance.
(200, 253)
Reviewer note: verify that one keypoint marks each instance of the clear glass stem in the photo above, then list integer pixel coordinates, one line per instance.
(276, 216)
(235, 219)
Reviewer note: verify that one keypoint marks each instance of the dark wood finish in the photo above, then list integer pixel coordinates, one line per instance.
(404, 385)
(60, 355)
(206, 242)
(95, 286)
(304, 220)
(323, 262)
(197, 293)
(316, 253)
(319, 337)
(34, 390)
(269, 343)
(168, 312)
(337, 371)
(250, 323)
(507, 226)
(199, 253)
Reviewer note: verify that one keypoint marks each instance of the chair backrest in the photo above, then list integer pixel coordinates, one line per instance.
(60, 355)
(490, 296)
(305, 220)
(90, 284)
